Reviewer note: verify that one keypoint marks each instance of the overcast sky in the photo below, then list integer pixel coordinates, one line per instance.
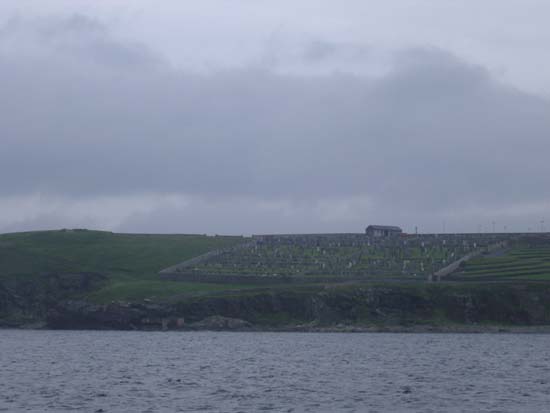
(241, 117)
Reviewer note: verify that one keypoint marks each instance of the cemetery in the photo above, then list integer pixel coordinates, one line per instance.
(333, 257)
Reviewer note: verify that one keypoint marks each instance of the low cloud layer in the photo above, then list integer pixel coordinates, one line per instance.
(87, 117)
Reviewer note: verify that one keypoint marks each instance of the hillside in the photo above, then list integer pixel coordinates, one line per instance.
(335, 257)
(121, 266)
(94, 279)
(528, 259)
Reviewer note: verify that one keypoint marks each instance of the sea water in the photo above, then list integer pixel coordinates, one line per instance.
(110, 371)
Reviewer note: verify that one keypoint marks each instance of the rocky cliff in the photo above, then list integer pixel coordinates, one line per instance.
(26, 300)
(323, 307)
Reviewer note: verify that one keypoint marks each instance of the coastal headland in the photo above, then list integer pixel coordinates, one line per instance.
(82, 279)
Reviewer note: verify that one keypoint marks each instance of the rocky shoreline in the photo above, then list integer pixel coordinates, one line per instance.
(422, 308)
(224, 324)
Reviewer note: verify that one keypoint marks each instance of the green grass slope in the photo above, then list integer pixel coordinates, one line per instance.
(130, 261)
(526, 260)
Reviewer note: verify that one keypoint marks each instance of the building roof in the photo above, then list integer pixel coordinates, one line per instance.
(384, 228)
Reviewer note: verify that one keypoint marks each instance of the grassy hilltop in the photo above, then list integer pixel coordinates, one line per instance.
(129, 262)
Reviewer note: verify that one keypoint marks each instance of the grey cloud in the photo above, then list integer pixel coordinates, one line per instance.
(77, 40)
(434, 134)
(320, 50)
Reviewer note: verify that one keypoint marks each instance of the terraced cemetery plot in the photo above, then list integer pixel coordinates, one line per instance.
(528, 260)
(335, 255)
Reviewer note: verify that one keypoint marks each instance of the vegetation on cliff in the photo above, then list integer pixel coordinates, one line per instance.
(411, 307)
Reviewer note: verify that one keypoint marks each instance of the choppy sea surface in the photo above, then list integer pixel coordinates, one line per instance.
(100, 371)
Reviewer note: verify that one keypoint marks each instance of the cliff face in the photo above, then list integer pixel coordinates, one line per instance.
(9, 302)
(383, 305)
(28, 299)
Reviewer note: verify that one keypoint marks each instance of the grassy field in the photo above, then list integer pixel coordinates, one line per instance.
(156, 289)
(130, 261)
(524, 261)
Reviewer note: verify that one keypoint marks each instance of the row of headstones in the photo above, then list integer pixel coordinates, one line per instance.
(284, 253)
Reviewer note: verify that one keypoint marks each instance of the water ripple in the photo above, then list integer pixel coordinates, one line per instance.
(96, 371)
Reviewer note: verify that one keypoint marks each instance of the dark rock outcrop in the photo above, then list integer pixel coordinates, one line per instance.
(359, 305)
(76, 314)
(25, 300)
(219, 323)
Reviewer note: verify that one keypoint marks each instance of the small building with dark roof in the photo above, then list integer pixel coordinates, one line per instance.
(383, 231)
